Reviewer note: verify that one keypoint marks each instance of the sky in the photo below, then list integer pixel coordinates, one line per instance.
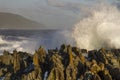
(54, 14)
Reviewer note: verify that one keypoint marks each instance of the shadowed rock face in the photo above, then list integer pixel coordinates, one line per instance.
(66, 63)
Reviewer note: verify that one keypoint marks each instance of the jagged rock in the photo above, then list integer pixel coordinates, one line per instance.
(71, 69)
(42, 54)
(97, 77)
(114, 62)
(99, 56)
(69, 51)
(68, 63)
(80, 67)
(36, 60)
(88, 76)
(3, 71)
(34, 75)
(56, 74)
(116, 52)
(92, 55)
(63, 48)
(102, 56)
(8, 76)
(115, 72)
(105, 75)
(57, 71)
(113, 59)
(16, 61)
(91, 76)
(94, 67)
(64, 53)
(6, 58)
(79, 53)
(102, 66)
(71, 72)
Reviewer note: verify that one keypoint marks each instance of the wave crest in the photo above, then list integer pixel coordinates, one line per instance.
(100, 29)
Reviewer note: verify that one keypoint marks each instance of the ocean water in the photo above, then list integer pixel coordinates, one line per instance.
(97, 27)
(30, 40)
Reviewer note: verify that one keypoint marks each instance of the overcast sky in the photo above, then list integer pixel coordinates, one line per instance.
(50, 13)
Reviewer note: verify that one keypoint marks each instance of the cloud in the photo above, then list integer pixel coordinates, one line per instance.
(64, 13)
(39, 11)
(70, 6)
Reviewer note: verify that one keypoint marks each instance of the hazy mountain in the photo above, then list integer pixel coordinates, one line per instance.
(14, 21)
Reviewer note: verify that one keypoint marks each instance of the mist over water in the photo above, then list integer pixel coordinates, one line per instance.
(29, 41)
(98, 26)
(101, 28)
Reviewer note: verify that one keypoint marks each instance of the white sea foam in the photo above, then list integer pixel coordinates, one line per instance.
(23, 45)
(101, 28)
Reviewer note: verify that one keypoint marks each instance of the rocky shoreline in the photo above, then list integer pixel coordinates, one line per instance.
(66, 63)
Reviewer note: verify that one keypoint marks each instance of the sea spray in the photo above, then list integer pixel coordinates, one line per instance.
(101, 28)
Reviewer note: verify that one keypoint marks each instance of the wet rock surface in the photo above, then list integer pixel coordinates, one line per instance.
(66, 63)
